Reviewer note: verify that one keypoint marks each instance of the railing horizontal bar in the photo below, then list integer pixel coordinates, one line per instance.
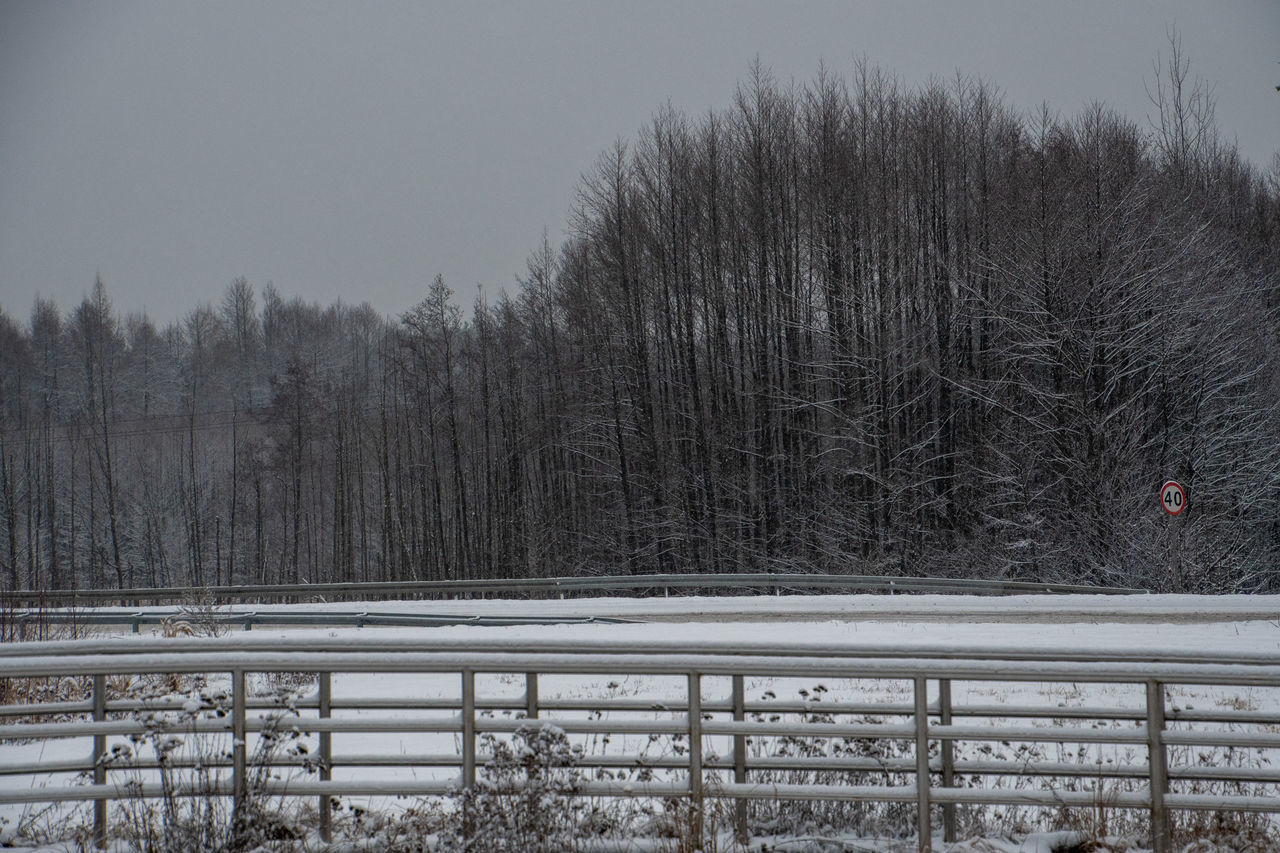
(623, 761)
(964, 796)
(818, 730)
(996, 768)
(673, 664)
(307, 788)
(490, 724)
(1100, 713)
(423, 704)
(824, 764)
(82, 706)
(907, 765)
(1049, 768)
(25, 731)
(883, 709)
(719, 706)
(51, 794)
(599, 788)
(64, 766)
(224, 788)
(387, 760)
(1041, 797)
(1080, 712)
(365, 787)
(128, 706)
(1223, 716)
(1052, 734)
(403, 760)
(397, 645)
(770, 791)
(897, 709)
(818, 764)
(675, 705)
(85, 728)
(365, 724)
(1222, 802)
(1219, 738)
(1113, 770)
(1227, 774)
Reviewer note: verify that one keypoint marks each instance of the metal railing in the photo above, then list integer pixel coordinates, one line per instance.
(718, 763)
(249, 619)
(543, 588)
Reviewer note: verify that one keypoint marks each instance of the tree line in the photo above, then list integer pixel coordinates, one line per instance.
(850, 326)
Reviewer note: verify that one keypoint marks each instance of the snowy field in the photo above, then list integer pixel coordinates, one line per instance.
(1155, 624)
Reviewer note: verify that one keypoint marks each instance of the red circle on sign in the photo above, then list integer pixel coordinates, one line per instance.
(1173, 498)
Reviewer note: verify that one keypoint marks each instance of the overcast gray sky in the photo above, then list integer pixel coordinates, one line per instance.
(353, 150)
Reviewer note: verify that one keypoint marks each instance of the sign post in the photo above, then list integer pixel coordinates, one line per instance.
(1173, 500)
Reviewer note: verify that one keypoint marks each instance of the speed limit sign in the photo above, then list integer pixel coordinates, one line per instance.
(1173, 498)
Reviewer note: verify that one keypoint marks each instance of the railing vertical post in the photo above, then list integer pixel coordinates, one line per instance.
(531, 695)
(924, 827)
(325, 804)
(695, 758)
(739, 760)
(468, 753)
(947, 748)
(468, 728)
(1157, 763)
(99, 759)
(240, 782)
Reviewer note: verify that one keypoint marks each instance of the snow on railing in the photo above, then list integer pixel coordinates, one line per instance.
(249, 619)
(715, 761)
(546, 587)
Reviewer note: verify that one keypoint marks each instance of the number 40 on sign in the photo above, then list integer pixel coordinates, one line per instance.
(1173, 498)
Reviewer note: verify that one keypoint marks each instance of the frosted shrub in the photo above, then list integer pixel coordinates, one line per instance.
(525, 799)
(190, 814)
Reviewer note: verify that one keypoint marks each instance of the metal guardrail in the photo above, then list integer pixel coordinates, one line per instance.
(925, 771)
(544, 587)
(289, 618)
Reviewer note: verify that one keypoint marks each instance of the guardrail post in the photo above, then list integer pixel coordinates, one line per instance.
(240, 782)
(947, 748)
(468, 753)
(1157, 763)
(325, 804)
(739, 760)
(695, 758)
(99, 757)
(531, 695)
(468, 728)
(923, 825)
